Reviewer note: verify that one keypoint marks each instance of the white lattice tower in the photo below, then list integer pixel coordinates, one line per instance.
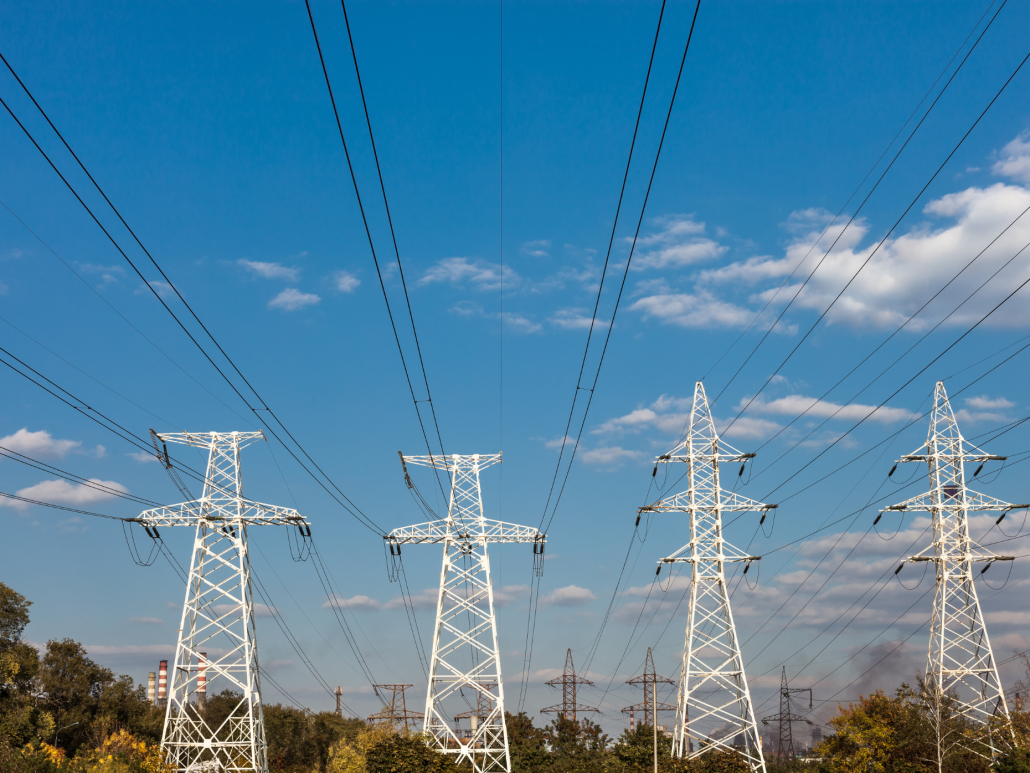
(714, 702)
(218, 614)
(466, 661)
(960, 658)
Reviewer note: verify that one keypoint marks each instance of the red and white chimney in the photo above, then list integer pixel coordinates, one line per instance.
(151, 687)
(162, 683)
(201, 679)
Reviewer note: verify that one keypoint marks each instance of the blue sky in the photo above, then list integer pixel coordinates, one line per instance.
(210, 128)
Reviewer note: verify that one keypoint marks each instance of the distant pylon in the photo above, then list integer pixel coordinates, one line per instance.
(218, 603)
(568, 681)
(649, 679)
(465, 648)
(785, 744)
(392, 714)
(960, 658)
(713, 689)
(484, 706)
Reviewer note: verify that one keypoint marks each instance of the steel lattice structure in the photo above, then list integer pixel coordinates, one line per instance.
(465, 649)
(786, 718)
(650, 681)
(714, 702)
(960, 658)
(219, 608)
(568, 681)
(392, 715)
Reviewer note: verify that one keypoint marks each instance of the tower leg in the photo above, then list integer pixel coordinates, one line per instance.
(217, 617)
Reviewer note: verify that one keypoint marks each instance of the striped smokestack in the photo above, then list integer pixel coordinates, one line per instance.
(201, 679)
(151, 687)
(162, 684)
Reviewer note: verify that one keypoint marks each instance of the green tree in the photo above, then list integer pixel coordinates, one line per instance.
(21, 720)
(635, 750)
(527, 744)
(406, 753)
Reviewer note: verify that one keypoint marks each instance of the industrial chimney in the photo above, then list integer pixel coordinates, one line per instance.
(151, 687)
(162, 684)
(201, 679)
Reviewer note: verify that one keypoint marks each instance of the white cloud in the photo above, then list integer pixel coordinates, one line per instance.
(747, 428)
(40, 445)
(679, 243)
(569, 596)
(700, 310)
(354, 602)
(147, 620)
(519, 323)
(670, 415)
(909, 268)
(575, 319)
(143, 457)
(1015, 159)
(427, 599)
(345, 281)
(795, 405)
(538, 248)
(270, 270)
(510, 594)
(260, 610)
(481, 274)
(161, 288)
(61, 492)
(292, 299)
(565, 440)
(608, 456)
(982, 403)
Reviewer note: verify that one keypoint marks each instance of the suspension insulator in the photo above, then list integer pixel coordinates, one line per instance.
(986, 567)
(877, 519)
(762, 519)
(741, 473)
(891, 473)
(659, 569)
(1001, 518)
(654, 472)
(978, 470)
(168, 461)
(899, 567)
(746, 567)
(638, 521)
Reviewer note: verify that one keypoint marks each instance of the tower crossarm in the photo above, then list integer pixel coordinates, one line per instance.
(222, 511)
(648, 707)
(727, 554)
(704, 501)
(974, 501)
(451, 462)
(482, 531)
(206, 439)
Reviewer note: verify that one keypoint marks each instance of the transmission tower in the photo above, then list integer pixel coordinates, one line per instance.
(218, 602)
(392, 714)
(568, 681)
(650, 681)
(713, 689)
(465, 650)
(484, 705)
(959, 657)
(785, 744)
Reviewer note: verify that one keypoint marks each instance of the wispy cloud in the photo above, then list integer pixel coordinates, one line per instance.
(538, 248)
(345, 281)
(40, 444)
(292, 299)
(354, 602)
(270, 270)
(608, 456)
(575, 319)
(569, 596)
(62, 492)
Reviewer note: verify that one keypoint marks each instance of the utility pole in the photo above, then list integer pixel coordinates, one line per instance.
(648, 680)
(568, 681)
(465, 648)
(713, 687)
(785, 744)
(960, 658)
(393, 715)
(218, 602)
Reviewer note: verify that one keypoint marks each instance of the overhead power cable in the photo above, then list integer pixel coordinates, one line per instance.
(368, 232)
(889, 233)
(622, 286)
(264, 408)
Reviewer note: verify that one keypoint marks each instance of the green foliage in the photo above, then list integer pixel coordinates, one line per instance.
(1016, 760)
(406, 753)
(635, 751)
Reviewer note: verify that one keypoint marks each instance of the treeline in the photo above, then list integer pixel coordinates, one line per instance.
(60, 712)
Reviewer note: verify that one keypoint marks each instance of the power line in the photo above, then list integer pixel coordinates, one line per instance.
(349, 506)
(622, 286)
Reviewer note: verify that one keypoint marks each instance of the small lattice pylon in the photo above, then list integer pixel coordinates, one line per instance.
(484, 708)
(786, 717)
(392, 714)
(568, 682)
(960, 660)
(650, 681)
